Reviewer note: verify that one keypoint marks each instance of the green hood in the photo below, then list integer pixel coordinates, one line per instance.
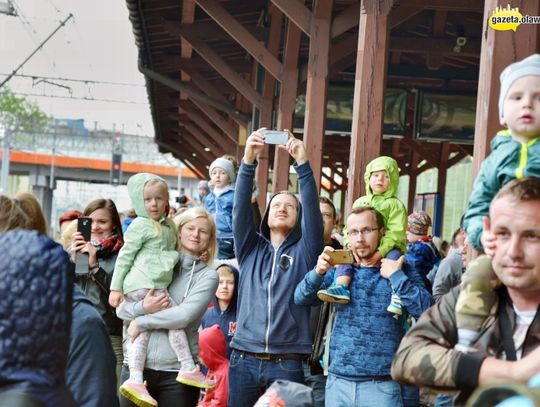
(391, 167)
(135, 187)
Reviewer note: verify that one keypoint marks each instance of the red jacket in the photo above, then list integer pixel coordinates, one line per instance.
(212, 355)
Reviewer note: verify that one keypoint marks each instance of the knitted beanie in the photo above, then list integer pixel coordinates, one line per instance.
(225, 165)
(526, 67)
(419, 223)
(203, 184)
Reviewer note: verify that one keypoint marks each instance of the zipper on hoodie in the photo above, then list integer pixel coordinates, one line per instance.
(269, 289)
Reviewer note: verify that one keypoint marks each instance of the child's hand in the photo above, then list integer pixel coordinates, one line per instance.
(488, 239)
(389, 267)
(115, 298)
(205, 256)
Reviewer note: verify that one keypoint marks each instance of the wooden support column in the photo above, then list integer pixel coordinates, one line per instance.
(287, 103)
(274, 42)
(370, 83)
(441, 181)
(499, 49)
(413, 173)
(317, 84)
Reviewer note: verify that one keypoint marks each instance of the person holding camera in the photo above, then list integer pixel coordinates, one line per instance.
(106, 239)
(272, 336)
(365, 336)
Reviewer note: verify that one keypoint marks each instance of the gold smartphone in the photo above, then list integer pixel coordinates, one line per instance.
(341, 257)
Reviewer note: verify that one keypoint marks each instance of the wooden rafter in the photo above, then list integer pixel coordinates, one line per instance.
(241, 35)
(297, 13)
(225, 70)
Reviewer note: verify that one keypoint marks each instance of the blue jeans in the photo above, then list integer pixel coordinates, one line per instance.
(347, 393)
(317, 384)
(225, 248)
(249, 377)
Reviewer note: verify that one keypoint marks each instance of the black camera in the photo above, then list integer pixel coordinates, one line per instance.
(181, 200)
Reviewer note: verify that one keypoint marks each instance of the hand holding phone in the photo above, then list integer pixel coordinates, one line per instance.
(341, 257)
(275, 137)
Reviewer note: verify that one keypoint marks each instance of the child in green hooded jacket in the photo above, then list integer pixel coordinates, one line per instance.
(382, 180)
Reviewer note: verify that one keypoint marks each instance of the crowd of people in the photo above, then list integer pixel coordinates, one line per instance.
(216, 304)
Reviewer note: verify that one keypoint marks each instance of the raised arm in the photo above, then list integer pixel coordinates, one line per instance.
(320, 277)
(244, 228)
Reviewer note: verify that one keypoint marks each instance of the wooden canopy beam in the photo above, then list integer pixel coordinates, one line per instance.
(184, 157)
(345, 20)
(368, 106)
(196, 145)
(241, 35)
(499, 49)
(274, 42)
(205, 140)
(287, 104)
(225, 70)
(454, 5)
(297, 13)
(230, 130)
(317, 84)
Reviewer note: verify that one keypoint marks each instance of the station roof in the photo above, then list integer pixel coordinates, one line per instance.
(195, 46)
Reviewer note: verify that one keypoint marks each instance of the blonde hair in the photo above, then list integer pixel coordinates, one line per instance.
(12, 216)
(225, 269)
(194, 213)
(67, 234)
(30, 205)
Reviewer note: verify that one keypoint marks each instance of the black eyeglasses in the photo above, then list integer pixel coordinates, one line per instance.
(285, 262)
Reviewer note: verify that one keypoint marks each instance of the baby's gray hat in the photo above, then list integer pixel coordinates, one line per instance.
(224, 164)
(526, 67)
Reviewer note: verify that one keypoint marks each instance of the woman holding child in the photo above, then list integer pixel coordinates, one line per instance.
(193, 285)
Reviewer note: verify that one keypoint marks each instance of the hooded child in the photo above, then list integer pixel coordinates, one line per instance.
(223, 310)
(515, 153)
(219, 202)
(212, 355)
(146, 262)
(382, 181)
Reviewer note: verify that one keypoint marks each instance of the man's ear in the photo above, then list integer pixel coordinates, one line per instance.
(381, 232)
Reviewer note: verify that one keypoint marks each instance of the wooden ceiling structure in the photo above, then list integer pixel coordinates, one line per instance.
(216, 69)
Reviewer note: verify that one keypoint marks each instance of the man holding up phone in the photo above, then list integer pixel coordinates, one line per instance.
(272, 336)
(365, 336)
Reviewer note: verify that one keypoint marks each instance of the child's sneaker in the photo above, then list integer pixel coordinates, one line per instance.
(195, 378)
(338, 294)
(395, 306)
(137, 394)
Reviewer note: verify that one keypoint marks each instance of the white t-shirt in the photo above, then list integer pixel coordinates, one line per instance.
(524, 319)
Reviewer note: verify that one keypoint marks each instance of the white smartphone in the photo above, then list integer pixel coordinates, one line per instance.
(275, 137)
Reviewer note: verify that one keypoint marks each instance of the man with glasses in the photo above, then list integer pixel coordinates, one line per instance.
(365, 335)
(272, 337)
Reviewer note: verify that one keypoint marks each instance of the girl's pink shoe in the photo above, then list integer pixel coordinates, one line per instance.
(195, 378)
(137, 394)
